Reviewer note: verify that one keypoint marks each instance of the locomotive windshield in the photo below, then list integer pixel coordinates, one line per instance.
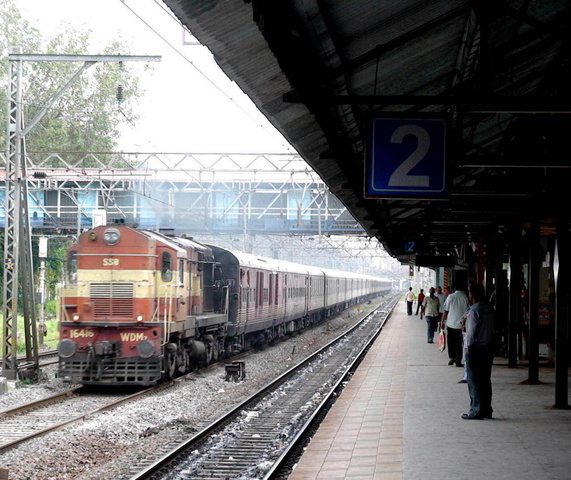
(166, 268)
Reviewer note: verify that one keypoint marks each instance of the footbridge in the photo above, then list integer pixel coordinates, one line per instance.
(269, 204)
(198, 194)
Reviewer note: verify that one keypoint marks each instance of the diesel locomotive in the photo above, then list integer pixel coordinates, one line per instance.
(139, 307)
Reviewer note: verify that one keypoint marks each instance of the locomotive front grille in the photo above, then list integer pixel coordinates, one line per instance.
(112, 300)
(112, 371)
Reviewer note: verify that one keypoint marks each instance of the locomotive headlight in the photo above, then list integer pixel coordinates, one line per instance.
(75, 317)
(145, 348)
(66, 348)
(111, 236)
(140, 318)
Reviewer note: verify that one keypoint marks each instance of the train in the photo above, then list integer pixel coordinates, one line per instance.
(138, 307)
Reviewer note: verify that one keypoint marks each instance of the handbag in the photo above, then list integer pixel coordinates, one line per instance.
(441, 339)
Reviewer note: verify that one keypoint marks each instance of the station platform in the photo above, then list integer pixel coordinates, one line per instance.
(400, 418)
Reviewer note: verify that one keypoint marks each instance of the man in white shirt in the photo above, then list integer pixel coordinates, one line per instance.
(442, 298)
(432, 305)
(409, 298)
(455, 306)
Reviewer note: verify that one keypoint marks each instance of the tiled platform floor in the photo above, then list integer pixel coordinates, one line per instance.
(399, 418)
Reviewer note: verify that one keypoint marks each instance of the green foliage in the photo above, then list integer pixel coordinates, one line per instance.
(50, 308)
(88, 117)
(55, 270)
(50, 340)
(52, 337)
(55, 267)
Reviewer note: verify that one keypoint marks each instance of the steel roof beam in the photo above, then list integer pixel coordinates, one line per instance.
(383, 49)
(489, 104)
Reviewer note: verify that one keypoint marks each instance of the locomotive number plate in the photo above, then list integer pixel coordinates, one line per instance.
(110, 262)
(81, 333)
(133, 336)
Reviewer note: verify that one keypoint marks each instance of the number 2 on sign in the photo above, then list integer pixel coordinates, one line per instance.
(401, 177)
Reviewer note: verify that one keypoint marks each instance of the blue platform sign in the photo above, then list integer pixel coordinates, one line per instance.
(406, 157)
(409, 247)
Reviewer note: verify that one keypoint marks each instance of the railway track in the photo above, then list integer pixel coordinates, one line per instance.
(49, 357)
(28, 421)
(257, 438)
(34, 419)
(20, 424)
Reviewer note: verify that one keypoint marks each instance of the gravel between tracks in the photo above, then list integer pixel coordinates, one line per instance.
(48, 385)
(104, 447)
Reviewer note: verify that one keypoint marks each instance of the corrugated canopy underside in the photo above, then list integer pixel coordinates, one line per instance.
(499, 73)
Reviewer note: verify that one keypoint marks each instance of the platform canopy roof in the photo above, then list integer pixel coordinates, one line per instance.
(492, 77)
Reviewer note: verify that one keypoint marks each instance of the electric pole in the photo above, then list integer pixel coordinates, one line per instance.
(17, 233)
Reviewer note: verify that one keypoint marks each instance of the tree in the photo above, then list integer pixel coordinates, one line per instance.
(88, 118)
(55, 262)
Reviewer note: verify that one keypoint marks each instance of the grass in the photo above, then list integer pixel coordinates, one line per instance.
(50, 340)
(52, 337)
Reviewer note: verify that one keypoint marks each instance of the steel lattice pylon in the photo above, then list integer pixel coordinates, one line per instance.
(17, 238)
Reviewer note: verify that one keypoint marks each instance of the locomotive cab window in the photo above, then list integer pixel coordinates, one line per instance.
(166, 267)
(72, 266)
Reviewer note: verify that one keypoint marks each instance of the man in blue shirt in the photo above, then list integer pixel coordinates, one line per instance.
(479, 354)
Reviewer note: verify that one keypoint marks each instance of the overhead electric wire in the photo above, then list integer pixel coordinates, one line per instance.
(161, 5)
(204, 75)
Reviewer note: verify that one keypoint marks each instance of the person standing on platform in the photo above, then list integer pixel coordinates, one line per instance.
(431, 305)
(442, 298)
(409, 298)
(420, 303)
(463, 325)
(479, 354)
(455, 307)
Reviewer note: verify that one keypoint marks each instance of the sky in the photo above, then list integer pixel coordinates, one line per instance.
(189, 105)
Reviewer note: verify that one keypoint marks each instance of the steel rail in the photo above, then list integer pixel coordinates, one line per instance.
(153, 468)
(38, 403)
(301, 434)
(47, 353)
(78, 418)
(60, 396)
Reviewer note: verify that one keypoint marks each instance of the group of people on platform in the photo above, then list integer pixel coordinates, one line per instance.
(468, 322)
